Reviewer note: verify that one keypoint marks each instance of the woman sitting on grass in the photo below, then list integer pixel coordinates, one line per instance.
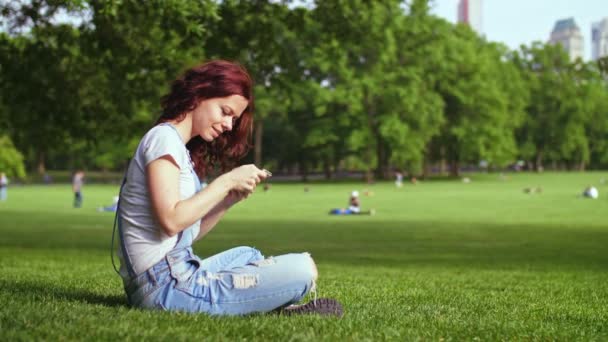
(205, 125)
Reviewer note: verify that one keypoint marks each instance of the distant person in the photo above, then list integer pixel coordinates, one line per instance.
(533, 190)
(3, 187)
(591, 192)
(47, 179)
(414, 180)
(77, 182)
(354, 207)
(205, 125)
(398, 179)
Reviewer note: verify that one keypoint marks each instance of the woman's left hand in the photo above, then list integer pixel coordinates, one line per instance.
(234, 197)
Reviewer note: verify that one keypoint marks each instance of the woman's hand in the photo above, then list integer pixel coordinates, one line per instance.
(244, 179)
(234, 197)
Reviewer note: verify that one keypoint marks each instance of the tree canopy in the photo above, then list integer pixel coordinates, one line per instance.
(374, 86)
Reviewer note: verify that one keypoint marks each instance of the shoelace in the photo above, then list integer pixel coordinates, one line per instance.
(313, 289)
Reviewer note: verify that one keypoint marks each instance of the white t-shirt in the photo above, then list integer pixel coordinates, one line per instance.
(592, 192)
(144, 239)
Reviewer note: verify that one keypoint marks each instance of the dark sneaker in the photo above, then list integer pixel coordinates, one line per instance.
(321, 306)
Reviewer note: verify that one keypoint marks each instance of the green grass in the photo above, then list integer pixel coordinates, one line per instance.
(440, 260)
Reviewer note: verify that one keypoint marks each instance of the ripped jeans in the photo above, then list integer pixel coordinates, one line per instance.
(235, 282)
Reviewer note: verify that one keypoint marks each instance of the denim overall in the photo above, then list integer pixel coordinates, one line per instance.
(234, 282)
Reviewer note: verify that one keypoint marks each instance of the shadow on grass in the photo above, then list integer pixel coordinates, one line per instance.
(46, 291)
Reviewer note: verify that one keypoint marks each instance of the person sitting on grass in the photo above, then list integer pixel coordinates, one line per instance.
(205, 125)
(354, 207)
(112, 207)
(591, 192)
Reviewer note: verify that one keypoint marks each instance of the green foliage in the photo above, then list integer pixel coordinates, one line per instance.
(381, 82)
(11, 160)
(567, 106)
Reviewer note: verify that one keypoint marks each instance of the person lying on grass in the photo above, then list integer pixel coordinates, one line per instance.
(205, 125)
(354, 207)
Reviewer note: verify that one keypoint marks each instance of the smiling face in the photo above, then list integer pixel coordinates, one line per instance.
(215, 116)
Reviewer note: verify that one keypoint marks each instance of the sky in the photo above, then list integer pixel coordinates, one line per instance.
(516, 22)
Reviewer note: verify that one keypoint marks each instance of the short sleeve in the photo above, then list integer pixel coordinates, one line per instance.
(162, 141)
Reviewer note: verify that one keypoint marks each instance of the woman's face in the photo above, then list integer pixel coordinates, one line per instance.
(215, 116)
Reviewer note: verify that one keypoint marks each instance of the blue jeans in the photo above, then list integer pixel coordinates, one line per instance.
(77, 199)
(235, 282)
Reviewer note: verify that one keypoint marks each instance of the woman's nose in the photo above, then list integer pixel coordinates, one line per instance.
(228, 124)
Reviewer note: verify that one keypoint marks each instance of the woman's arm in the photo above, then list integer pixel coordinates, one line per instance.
(175, 215)
(212, 218)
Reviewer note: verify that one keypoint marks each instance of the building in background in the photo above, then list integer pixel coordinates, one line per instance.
(469, 12)
(599, 39)
(567, 33)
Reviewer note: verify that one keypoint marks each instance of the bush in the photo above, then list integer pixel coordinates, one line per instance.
(11, 160)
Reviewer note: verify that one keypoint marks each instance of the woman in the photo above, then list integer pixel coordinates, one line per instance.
(205, 125)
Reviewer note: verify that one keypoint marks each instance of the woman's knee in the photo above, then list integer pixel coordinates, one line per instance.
(251, 252)
(306, 267)
(313, 267)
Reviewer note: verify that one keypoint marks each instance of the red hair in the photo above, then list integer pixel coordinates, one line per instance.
(213, 79)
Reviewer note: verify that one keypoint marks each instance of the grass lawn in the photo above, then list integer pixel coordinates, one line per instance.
(439, 260)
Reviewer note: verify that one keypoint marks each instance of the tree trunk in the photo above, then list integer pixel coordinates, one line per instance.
(41, 165)
(257, 157)
(581, 166)
(327, 168)
(454, 168)
(538, 162)
(381, 170)
(304, 171)
(369, 176)
(442, 163)
(427, 162)
(426, 169)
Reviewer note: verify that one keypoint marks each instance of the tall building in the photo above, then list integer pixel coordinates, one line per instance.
(567, 33)
(469, 12)
(599, 39)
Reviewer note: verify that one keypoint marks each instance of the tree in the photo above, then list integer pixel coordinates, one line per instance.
(11, 160)
(371, 65)
(564, 97)
(261, 34)
(484, 98)
(99, 80)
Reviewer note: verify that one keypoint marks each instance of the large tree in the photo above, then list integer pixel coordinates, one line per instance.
(484, 98)
(565, 96)
(373, 69)
(101, 77)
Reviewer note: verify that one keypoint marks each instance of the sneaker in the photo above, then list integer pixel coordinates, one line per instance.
(321, 306)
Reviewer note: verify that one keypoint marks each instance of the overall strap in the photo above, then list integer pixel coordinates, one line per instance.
(123, 248)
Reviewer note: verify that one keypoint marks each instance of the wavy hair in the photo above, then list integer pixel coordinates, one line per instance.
(217, 78)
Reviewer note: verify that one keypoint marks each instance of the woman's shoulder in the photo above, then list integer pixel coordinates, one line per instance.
(161, 140)
(159, 130)
(161, 133)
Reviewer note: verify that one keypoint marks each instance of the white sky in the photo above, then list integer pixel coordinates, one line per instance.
(516, 22)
